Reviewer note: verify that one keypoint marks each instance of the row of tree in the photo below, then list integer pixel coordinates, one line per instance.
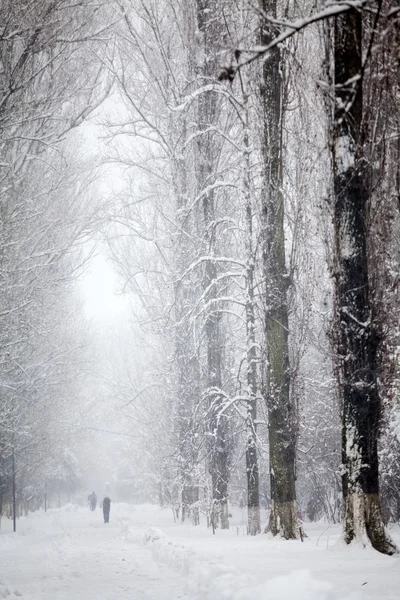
(258, 151)
(50, 80)
(254, 150)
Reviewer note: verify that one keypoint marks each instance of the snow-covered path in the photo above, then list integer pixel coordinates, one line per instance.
(71, 554)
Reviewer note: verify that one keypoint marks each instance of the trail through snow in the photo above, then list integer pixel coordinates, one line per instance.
(72, 554)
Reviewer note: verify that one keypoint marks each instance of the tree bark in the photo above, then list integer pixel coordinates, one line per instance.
(355, 334)
(187, 362)
(208, 24)
(282, 439)
(252, 471)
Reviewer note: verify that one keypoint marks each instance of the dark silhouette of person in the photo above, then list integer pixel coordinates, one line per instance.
(92, 501)
(106, 509)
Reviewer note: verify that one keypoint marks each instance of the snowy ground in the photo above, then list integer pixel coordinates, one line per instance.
(142, 555)
(70, 554)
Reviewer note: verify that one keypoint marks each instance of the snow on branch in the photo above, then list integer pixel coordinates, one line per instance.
(210, 87)
(214, 186)
(364, 324)
(213, 259)
(332, 9)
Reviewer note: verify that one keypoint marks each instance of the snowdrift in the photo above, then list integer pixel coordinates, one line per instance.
(207, 580)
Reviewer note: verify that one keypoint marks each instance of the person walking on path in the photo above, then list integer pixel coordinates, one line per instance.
(106, 509)
(92, 501)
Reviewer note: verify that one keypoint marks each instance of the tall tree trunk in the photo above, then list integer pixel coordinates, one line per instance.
(217, 419)
(187, 289)
(208, 25)
(187, 363)
(252, 471)
(355, 332)
(282, 439)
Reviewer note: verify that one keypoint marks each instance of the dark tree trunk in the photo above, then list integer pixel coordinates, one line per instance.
(355, 332)
(208, 19)
(282, 439)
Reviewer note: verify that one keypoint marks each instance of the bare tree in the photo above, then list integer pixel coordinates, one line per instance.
(282, 439)
(356, 330)
(50, 81)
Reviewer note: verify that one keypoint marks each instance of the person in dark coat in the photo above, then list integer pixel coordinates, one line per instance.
(92, 501)
(106, 509)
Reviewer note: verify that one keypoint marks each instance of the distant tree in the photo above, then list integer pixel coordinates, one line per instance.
(50, 81)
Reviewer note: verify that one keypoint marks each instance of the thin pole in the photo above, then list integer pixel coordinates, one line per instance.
(13, 491)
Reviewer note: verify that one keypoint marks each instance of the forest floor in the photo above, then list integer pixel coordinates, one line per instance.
(142, 554)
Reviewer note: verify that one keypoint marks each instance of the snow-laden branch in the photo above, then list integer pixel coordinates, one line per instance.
(213, 259)
(332, 9)
(211, 129)
(210, 87)
(214, 186)
(364, 324)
